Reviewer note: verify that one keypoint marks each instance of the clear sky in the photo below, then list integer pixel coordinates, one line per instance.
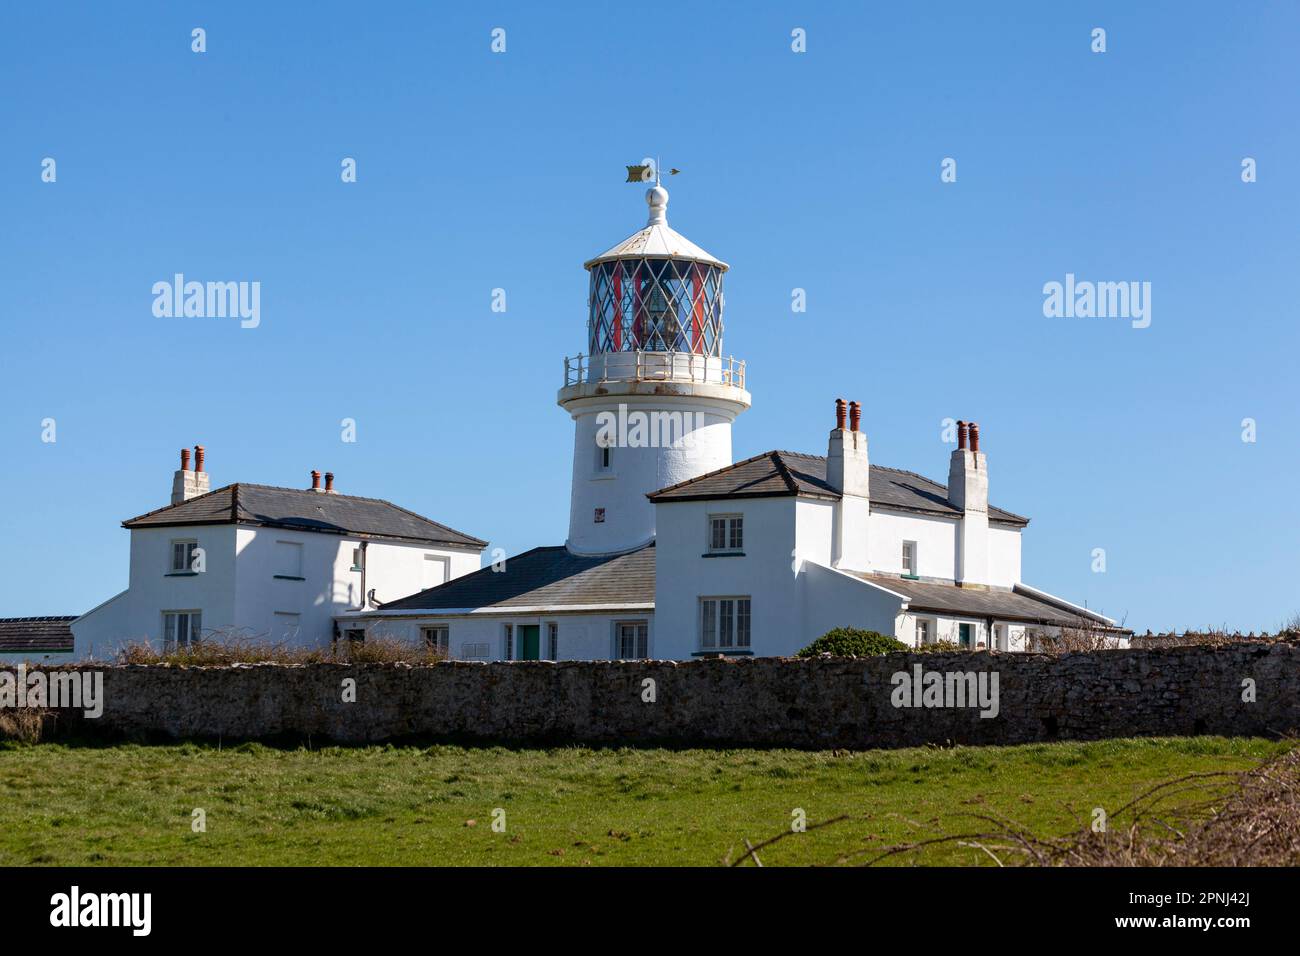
(818, 170)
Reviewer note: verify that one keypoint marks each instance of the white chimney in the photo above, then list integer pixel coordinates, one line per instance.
(188, 484)
(848, 472)
(968, 490)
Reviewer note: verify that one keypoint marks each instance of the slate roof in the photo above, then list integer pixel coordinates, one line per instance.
(19, 635)
(1011, 605)
(786, 473)
(304, 510)
(550, 577)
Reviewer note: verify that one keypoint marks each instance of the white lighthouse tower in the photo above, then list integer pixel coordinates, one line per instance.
(653, 399)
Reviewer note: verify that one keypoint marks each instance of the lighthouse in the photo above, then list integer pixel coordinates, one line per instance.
(654, 397)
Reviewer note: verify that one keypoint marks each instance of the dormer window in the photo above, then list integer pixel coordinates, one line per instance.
(726, 534)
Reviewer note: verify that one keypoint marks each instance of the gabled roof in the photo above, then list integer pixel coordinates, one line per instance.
(304, 510)
(777, 474)
(546, 577)
(21, 635)
(1001, 603)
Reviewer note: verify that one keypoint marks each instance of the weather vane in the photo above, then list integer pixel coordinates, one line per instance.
(647, 171)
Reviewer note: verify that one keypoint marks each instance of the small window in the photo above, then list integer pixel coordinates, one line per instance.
(183, 556)
(437, 570)
(510, 642)
(181, 629)
(909, 558)
(726, 533)
(288, 560)
(924, 634)
(437, 638)
(604, 457)
(553, 641)
(724, 623)
(358, 559)
(631, 640)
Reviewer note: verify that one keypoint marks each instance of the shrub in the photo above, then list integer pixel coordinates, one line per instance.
(941, 647)
(852, 642)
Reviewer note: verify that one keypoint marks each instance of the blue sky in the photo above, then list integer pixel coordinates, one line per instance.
(817, 170)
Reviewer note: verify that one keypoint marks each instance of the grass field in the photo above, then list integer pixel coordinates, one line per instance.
(128, 805)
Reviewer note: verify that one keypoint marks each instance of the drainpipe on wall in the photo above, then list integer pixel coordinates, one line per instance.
(363, 578)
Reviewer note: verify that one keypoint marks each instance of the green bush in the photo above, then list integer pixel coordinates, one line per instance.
(852, 642)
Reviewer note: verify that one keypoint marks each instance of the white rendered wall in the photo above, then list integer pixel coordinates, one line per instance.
(815, 529)
(936, 543)
(1004, 555)
(99, 625)
(831, 599)
(393, 570)
(629, 519)
(765, 573)
(153, 589)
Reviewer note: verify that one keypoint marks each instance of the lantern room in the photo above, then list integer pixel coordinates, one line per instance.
(655, 291)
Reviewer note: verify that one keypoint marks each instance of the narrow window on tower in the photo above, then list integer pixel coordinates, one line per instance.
(604, 458)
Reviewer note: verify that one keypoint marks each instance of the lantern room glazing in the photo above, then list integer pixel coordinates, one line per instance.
(655, 305)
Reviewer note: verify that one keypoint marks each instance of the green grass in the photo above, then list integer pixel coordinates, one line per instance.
(129, 805)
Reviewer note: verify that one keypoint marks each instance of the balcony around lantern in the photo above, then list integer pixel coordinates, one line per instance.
(654, 373)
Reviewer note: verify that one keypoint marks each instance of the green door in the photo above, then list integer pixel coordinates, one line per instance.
(530, 642)
(963, 630)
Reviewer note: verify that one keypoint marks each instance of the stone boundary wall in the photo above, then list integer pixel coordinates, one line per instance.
(761, 702)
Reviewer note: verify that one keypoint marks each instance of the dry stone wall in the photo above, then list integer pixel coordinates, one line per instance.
(762, 702)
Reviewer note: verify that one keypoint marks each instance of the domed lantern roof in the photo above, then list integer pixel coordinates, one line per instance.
(657, 240)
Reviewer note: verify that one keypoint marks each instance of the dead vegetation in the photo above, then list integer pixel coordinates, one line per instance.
(25, 724)
(1212, 637)
(226, 649)
(1246, 818)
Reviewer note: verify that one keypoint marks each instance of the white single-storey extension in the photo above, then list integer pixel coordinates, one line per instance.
(544, 604)
(44, 640)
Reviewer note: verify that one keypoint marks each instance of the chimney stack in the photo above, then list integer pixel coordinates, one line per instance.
(968, 491)
(188, 484)
(315, 480)
(329, 483)
(848, 471)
